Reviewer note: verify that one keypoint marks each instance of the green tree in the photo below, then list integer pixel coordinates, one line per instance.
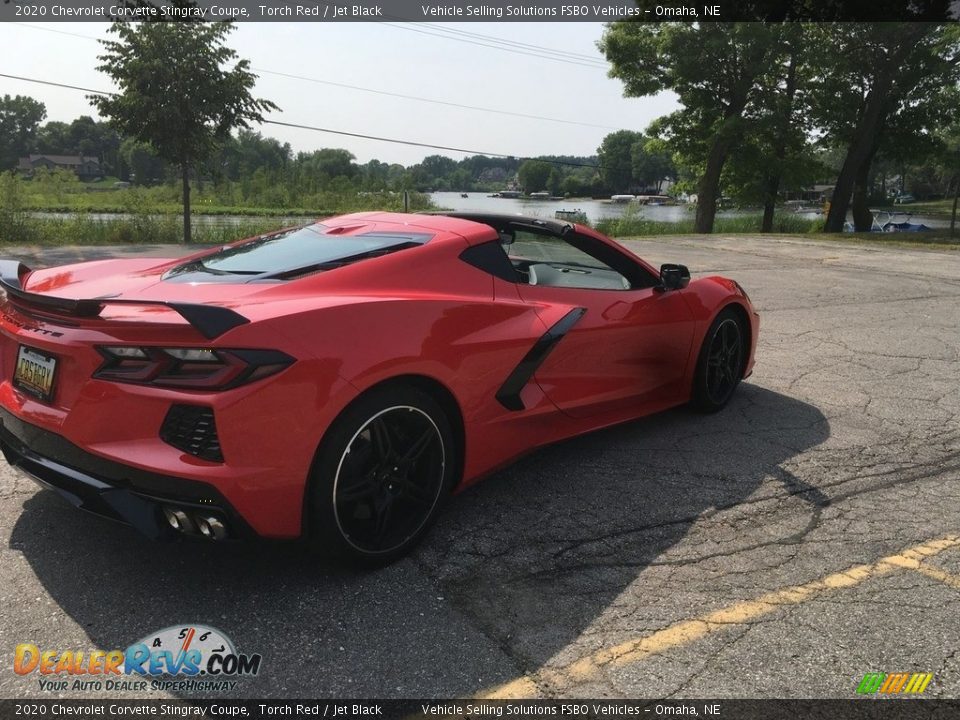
(534, 175)
(142, 165)
(249, 151)
(20, 116)
(718, 71)
(651, 163)
(177, 93)
(53, 138)
(874, 81)
(616, 159)
(324, 165)
(950, 161)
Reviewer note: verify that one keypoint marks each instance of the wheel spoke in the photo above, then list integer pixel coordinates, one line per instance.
(415, 493)
(380, 437)
(356, 488)
(417, 448)
(383, 513)
(730, 338)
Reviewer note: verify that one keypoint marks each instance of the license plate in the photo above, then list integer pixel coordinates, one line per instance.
(35, 372)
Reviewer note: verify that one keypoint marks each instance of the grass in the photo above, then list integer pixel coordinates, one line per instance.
(633, 223)
(153, 215)
(61, 192)
(929, 207)
(82, 230)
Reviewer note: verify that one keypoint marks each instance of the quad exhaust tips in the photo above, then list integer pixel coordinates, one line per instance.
(195, 523)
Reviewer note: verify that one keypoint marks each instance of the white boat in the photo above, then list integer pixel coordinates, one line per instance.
(576, 216)
(622, 198)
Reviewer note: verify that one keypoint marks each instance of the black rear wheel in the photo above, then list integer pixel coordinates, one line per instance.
(720, 363)
(381, 475)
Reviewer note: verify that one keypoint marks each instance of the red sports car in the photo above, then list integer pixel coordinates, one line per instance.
(337, 381)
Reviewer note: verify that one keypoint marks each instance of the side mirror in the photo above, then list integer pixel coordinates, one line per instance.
(674, 277)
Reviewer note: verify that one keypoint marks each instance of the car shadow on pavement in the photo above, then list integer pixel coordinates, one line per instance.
(516, 569)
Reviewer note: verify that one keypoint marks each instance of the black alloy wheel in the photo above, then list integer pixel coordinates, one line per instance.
(382, 475)
(721, 361)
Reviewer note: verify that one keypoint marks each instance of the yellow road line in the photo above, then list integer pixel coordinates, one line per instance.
(688, 631)
(938, 574)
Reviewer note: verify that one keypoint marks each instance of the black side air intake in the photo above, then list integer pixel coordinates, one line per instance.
(192, 428)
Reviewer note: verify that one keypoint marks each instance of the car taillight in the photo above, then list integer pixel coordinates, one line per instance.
(189, 368)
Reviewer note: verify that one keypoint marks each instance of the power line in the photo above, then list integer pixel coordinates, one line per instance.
(596, 65)
(331, 131)
(447, 33)
(56, 84)
(505, 41)
(431, 100)
(374, 91)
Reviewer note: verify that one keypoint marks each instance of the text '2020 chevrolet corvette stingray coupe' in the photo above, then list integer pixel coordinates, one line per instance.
(337, 381)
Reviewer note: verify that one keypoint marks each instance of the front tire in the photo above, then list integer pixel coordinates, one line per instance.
(381, 475)
(720, 363)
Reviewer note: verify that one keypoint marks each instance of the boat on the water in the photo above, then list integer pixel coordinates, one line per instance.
(890, 221)
(575, 216)
(622, 198)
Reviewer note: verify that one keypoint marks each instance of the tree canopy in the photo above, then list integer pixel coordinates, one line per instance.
(20, 117)
(177, 92)
(879, 87)
(718, 71)
(534, 175)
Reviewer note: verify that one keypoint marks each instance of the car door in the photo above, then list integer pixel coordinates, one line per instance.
(625, 342)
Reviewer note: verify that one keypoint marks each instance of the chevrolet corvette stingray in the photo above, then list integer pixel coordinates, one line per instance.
(336, 382)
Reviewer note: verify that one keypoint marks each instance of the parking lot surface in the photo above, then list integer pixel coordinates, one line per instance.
(807, 535)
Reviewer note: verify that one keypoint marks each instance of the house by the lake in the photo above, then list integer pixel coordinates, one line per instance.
(85, 167)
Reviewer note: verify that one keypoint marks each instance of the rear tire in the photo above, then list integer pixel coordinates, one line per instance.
(720, 363)
(381, 475)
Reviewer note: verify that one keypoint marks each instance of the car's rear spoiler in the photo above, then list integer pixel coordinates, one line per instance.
(210, 320)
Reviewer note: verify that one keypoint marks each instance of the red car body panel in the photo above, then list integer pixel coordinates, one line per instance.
(421, 312)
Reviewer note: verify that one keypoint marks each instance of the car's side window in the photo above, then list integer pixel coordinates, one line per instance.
(548, 260)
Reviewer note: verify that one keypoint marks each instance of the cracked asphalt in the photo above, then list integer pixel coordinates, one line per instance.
(808, 534)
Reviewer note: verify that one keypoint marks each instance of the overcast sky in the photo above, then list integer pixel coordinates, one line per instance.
(402, 60)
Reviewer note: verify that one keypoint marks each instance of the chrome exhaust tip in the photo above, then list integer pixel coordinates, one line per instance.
(179, 520)
(211, 527)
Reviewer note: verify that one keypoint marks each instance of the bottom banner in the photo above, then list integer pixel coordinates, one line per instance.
(440, 709)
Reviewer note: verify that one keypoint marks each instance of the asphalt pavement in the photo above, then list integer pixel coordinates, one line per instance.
(807, 535)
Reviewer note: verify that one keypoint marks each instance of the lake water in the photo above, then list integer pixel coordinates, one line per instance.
(481, 202)
(594, 209)
(601, 209)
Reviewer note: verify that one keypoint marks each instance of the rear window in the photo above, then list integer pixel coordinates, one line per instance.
(308, 249)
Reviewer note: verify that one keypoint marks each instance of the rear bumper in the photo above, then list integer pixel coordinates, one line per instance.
(110, 489)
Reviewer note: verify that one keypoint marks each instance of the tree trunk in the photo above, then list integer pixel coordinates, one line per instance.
(780, 150)
(868, 130)
(709, 185)
(859, 204)
(730, 132)
(857, 161)
(956, 195)
(185, 174)
(770, 206)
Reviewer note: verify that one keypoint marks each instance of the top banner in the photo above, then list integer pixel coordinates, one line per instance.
(480, 11)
